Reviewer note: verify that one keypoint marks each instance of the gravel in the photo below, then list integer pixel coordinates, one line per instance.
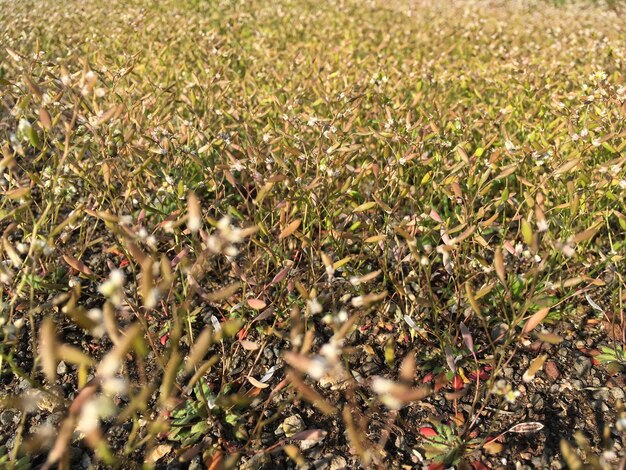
(292, 425)
(582, 366)
(338, 462)
(617, 393)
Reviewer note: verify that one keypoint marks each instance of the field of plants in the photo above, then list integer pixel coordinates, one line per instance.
(312, 234)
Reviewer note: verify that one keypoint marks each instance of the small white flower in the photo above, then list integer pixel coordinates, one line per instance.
(114, 386)
(152, 298)
(126, 220)
(568, 250)
(318, 367)
(512, 395)
(117, 277)
(91, 412)
(542, 225)
(109, 366)
(314, 306)
(357, 301)
(342, 316)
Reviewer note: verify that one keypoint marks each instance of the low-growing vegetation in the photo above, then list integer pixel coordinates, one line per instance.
(334, 234)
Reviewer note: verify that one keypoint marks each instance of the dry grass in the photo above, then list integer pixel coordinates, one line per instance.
(194, 192)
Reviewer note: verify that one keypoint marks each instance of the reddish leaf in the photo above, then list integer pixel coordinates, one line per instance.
(535, 319)
(282, 274)
(427, 431)
(476, 465)
(214, 462)
(77, 265)
(428, 378)
(435, 216)
(440, 381)
(256, 304)
(457, 382)
(481, 374)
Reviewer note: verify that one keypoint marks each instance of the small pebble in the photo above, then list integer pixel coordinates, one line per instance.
(196, 463)
(338, 463)
(582, 366)
(552, 370)
(8, 418)
(292, 425)
(577, 384)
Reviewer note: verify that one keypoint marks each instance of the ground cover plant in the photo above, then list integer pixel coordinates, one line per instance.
(347, 234)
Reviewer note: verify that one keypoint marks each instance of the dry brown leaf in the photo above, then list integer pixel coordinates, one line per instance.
(78, 265)
(158, 453)
(549, 338)
(45, 119)
(585, 234)
(256, 304)
(257, 383)
(408, 367)
(294, 454)
(535, 319)
(61, 444)
(493, 447)
(311, 395)
(282, 274)
(200, 347)
(194, 213)
(567, 166)
(72, 354)
(224, 292)
(290, 229)
(47, 349)
(249, 345)
(535, 365)
(498, 261)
